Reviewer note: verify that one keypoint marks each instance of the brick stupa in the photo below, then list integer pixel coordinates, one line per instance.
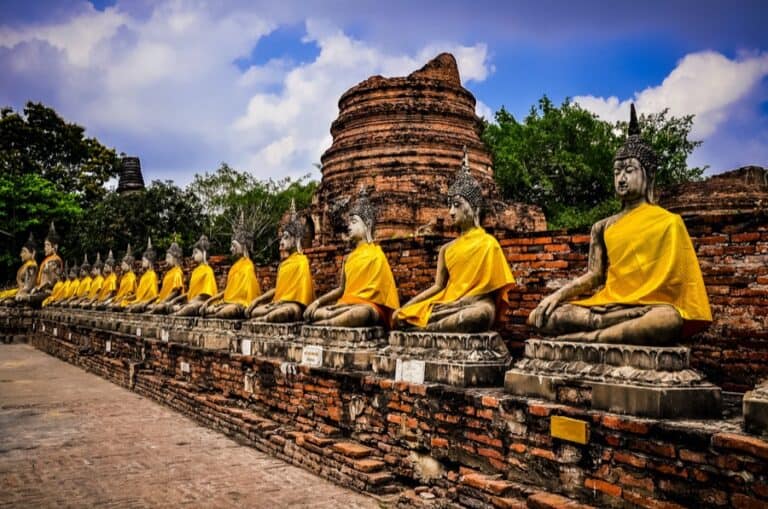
(403, 139)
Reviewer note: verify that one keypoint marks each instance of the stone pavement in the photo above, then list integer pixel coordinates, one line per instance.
(71, 439)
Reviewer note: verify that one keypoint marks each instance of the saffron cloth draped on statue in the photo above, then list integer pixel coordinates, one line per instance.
(96, 285)
(476, 266)
(20, 275)
(242, 284)
(652, 261)
(127, 287)
(201, 282)
(84, 287)
(369, 280)
(56, 294)
(147, 290)
(172, 280)
(108, 286)
(294, 281)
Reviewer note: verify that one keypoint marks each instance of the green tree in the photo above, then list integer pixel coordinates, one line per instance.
(561, 158)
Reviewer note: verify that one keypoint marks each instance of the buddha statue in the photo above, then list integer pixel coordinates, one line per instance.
(60, 288)
(70, 286)
(108, 286)
(366, 295)
(127, 288)
(49, 272)
(202, 282)
(173, 282)
(473, 277)
(26, 275)
(97, 281)
(293, 289)
(641, 262)
(83, 285)
(242, 284)
(146, 293)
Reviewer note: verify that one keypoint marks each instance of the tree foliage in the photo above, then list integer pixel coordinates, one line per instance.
(561, 158)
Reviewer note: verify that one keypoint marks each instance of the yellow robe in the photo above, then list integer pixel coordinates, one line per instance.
(84, 287)
(476, 266)
(294, 281)
(147, 290)
(127, 287)
(74, 285)
(652, 261)
(58, 290)
(96, 285)
(369, 281)
(242, 283)
(43, 267)
(108, 286)
(172, 280)
(202, 282)
(19, 279)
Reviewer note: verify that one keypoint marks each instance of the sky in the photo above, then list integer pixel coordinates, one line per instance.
(187, 85)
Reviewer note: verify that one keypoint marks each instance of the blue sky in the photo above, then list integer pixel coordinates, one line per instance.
(186, 85)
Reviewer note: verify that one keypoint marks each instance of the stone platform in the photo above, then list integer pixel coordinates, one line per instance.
(337, 347)
(463, 360)
(265, 339)
(756, 410)
(638, 380)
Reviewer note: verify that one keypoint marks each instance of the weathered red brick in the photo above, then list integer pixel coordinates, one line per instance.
(626, 424)
(750, 445)
(352, 449)
(603, 486)
(629, 459)
(741, 501)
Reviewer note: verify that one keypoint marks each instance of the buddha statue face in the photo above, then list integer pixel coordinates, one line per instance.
(125, 267)
(237, 249)
(49, 248)
(84, 272)
(629, 179)
(145, 263)
(287, 242)
(461, 213)
(357, 229)
(198, 256)
(170, 259)
(107, 269)
(26, 254)
(96, 271)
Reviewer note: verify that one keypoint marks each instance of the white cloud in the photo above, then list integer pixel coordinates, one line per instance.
(706, 84)
(163, 84)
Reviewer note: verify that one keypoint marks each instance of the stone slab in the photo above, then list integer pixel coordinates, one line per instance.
(343, 347)
(265, 339)
(755, 405)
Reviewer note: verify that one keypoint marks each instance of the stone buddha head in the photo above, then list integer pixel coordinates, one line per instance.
(361, 218)
(174, 254)
(634, 165)
(73, 271)
(51, 245)
(109, 263)
(241, 238)
(465, 198)
(200, 250)
(97, 266)
(293, 232)
(127, 263)
(85, 268)
(149, 256)
(29, 249)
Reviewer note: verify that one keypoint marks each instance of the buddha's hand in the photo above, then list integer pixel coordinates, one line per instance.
(309, 313)
(538, 317)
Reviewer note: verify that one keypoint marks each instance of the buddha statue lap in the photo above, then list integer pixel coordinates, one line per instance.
(242, 284)
(366, 295)
(293, 289)
(146, 291)
(202, 283)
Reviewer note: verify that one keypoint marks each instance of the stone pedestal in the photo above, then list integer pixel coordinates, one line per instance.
(265, 339)
(637, 380)
(463, 360)
(756, 410)
(337, 347)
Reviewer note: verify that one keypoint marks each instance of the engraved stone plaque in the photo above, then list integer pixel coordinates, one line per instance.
(245, 347)
(410, 371)
(312, 356)
(138, 332)
(108, 346)
(185, 367)
(55, 331)
(164, 335)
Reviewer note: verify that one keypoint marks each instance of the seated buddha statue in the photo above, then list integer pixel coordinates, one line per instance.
(242, 284)
(26, 275)
(172, 285)
(146, 292)
(127, 287)
(473, 277)
(366, 295)
(97, 281)
(84, 284)
(70, 287)
(108, 286)
(60, 288)
(293, 289)
(202, 283)
(49, 272)
(641, 262)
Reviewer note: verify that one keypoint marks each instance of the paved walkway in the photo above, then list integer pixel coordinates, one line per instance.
(72, 439)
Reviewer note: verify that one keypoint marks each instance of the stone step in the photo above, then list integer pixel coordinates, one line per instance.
(352, 450)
